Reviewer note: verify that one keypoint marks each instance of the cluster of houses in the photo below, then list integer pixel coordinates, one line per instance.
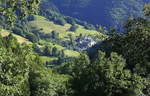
(84, 43)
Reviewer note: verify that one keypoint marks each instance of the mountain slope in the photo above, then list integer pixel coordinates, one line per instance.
(52, 41)
(19, 38)
(104, 12)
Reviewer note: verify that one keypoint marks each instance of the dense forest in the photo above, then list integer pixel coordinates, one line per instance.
(74, 48)
(105, 12)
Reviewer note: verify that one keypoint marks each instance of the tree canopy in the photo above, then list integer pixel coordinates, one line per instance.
(147, 10)
(16, 9)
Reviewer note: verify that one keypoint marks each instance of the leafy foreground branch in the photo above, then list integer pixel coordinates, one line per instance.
(17, 9)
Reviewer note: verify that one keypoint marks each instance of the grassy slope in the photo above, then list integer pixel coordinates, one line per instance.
(47, 59)
(20, 39)
(68, 53)
(48, 26)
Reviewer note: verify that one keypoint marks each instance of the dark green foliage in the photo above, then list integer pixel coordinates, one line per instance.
(72, 42)
(14, 68)
(3, 22)
(147, 10)
(18, 31)
(104, 76)
(70, 20)
(101, 29)
(47, 51)
(11, 9)
(122, 10)
(55, 52)
(54, 16)
(73, 28)
(134, 46)
(31, 18)
(24, 29)
(37, 49)
(60, 21)
(31, 37)
(23, 74)
(89, 27)
(54, 35)
(43, 82)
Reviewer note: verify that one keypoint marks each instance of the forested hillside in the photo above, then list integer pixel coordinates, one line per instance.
(104, 12)
(63, 48)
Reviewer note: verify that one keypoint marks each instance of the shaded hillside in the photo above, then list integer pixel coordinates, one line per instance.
(102, 12)
(92, 11)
